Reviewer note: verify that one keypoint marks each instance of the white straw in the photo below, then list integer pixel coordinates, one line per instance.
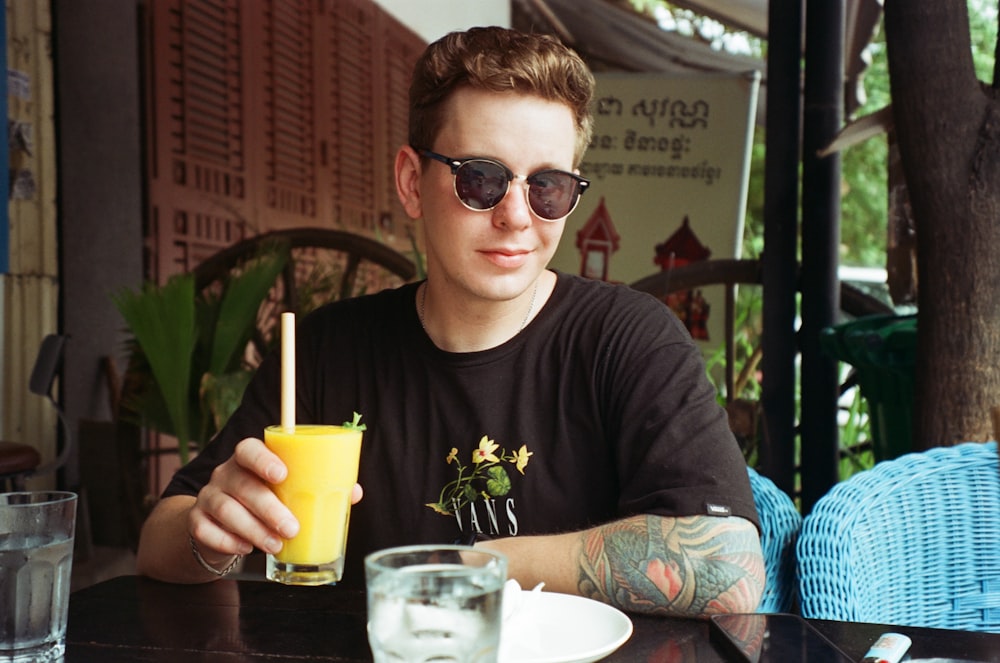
(288, 372)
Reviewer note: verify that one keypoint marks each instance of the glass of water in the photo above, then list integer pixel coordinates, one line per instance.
(435, 603)
(36, 559)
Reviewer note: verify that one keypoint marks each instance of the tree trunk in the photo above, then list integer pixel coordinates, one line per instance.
(948, 128)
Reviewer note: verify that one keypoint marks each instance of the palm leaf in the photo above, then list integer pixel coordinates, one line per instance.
(142, 402)
(186, 372)
(237, 312)
(162, 321)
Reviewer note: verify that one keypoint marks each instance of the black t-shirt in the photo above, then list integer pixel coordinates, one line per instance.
(604, 389)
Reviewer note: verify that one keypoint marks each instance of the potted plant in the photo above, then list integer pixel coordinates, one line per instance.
(187, 370)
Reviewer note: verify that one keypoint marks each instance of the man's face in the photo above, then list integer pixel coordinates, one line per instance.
(499, 253)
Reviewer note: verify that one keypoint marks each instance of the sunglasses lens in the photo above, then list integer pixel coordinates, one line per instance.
(481, 184)
(552, 194)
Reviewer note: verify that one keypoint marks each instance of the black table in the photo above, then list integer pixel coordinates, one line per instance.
(136, 619)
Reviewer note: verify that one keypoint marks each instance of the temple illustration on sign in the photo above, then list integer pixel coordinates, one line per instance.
(683, 248)
(598, 239)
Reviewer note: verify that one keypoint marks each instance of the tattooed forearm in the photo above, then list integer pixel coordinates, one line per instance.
(692, 566)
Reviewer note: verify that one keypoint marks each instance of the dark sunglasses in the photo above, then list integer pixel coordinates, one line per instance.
(482, 183)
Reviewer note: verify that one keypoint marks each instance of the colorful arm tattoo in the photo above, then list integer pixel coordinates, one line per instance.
(689, 567)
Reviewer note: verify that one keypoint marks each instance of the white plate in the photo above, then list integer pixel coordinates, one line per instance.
(561, 628)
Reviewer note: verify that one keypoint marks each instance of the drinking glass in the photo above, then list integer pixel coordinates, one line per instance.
(36, 560)
(435, 603)
(322, 462)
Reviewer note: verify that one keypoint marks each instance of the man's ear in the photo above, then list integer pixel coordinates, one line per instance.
(408, 173)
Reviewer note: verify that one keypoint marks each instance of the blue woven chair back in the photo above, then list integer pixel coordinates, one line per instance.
(780, 522)
(913, 541)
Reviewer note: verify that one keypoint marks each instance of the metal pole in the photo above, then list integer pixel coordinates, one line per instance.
(779, 264)
(822, 118)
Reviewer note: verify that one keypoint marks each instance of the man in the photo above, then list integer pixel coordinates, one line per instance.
(565, 422)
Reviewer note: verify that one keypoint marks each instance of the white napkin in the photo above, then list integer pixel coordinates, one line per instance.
(520, 634)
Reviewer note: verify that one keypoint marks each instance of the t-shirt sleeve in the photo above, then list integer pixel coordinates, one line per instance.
(676, 453)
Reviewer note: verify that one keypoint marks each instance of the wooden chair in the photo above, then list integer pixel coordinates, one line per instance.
(325, 265)
(745, 416)
(729, 274)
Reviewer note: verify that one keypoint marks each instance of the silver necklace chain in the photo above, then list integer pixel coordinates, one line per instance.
(527, 316)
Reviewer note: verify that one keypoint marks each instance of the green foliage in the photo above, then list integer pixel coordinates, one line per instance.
(753, 225)
(864, 204)
(162, 320)
(746, 344)
(864, 200)
(983, 31)
(187, 372)
(355, 423)
(855, 451)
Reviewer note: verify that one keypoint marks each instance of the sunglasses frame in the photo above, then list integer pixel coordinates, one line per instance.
(455, 164)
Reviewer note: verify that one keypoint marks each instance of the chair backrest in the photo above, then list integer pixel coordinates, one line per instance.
(780, 522)
(912, 541)
(48, 363)
(20, 460)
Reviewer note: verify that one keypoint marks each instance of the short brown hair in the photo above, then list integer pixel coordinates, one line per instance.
(499, 60)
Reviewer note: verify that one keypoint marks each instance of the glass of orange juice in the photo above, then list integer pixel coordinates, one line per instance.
(322, 462)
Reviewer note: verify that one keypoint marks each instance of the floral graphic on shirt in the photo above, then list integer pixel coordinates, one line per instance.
(483, 478)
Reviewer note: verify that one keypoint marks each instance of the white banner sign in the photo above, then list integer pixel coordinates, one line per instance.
(669, 165)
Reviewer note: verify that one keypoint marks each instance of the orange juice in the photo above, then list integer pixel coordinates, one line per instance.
(322, 462)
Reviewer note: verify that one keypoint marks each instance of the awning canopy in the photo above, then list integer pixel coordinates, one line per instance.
(614, 38)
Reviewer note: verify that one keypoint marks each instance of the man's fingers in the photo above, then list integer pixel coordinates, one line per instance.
(212, 537)
(239, 501)
(255, 518)
(252, 454)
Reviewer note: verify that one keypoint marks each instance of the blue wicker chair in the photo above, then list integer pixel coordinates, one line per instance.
(913, 541)
(780, 522)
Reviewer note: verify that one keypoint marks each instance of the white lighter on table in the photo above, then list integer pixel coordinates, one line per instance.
(889, 648)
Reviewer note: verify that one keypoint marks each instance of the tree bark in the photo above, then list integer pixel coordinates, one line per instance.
(948, 129)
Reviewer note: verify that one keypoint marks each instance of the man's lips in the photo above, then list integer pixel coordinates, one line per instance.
(506, 257)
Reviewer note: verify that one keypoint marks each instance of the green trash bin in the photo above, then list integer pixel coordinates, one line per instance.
(882, 349)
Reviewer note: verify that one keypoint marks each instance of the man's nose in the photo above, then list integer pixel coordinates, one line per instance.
(514, 212)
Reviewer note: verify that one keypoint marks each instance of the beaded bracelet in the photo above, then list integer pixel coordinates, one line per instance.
(208, 567)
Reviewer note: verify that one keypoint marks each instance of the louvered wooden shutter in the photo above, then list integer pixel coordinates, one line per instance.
(195, 133)
(287, 128)
(351, 104)
(270, 114)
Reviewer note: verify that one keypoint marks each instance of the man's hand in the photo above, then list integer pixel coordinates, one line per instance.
(234, 513)
(237, 511)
